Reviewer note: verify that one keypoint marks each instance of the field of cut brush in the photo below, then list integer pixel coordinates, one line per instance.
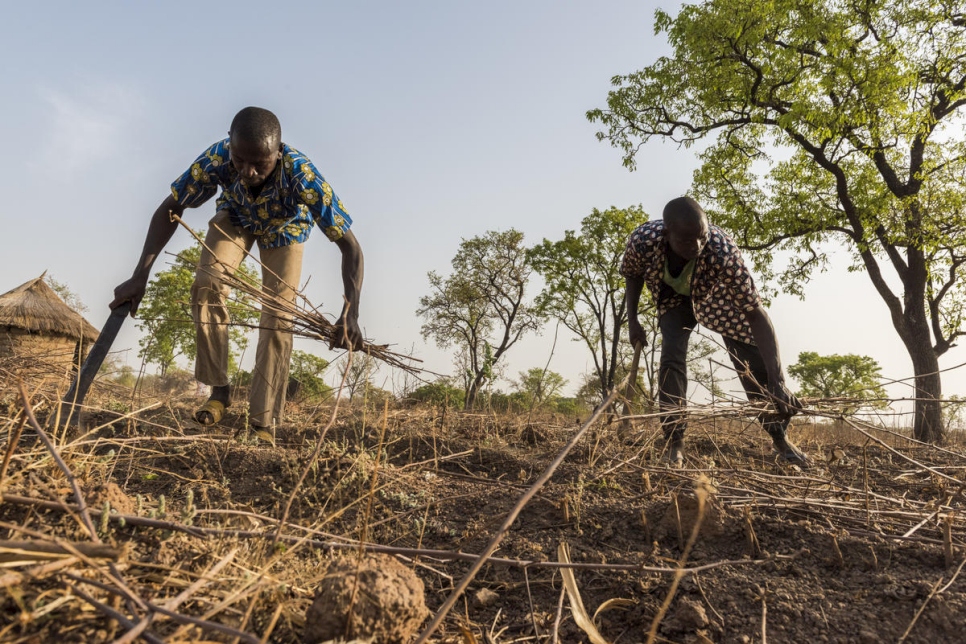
(368, 524)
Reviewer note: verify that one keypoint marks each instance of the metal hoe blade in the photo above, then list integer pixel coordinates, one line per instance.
(71, 404)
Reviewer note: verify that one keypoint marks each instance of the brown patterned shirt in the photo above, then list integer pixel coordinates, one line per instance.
(722, 290)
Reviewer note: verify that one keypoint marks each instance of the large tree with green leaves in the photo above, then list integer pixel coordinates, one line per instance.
(584, 288)
(481, 307)
(835, 121)
(165, 313)
(851, 376)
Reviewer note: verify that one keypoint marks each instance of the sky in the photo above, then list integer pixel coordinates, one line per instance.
(433, 121)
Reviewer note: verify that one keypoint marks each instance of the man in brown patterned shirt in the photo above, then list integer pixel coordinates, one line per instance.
(696, 274)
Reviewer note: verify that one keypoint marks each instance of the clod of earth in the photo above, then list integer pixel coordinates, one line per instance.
(374, 597)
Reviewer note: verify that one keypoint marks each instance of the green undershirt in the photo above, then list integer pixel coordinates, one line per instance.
(682, 283)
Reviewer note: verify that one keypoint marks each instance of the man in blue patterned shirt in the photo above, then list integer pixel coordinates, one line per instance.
(696, 274)
(270, 194)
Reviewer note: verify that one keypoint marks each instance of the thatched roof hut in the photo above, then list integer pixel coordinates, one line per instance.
(36, 324)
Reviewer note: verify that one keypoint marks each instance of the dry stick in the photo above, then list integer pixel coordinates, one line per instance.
(556, 622)
(908, 438)
(679, 573)
(206, 625)
(53, 550)
(272, 623)
(915, 617)
(764, 616)
(14, 438)
(533, 617)
(364, 530)
(441, 555)
(512, 516)
(315, 453)
(175, 616)
(205, 577)
(78, 496)
(133, 600)
(118, 617)
(948, 538)
(553, 349)
(955, 575)
(37, 572)
(128, 519)
(900, 454)
(631, 384)
(305, 322)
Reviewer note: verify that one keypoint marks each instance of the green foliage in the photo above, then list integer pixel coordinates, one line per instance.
(540, 388)
(165, 313)
(834, 122)
(840, 376)
(125, 376)
(63, 291)
(307, 370)
(439, 393)
(481, 307)
(584, 289)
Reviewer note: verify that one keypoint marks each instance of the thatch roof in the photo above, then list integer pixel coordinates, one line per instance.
(36, 308)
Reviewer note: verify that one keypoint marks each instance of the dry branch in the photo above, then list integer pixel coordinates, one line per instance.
(306, 320)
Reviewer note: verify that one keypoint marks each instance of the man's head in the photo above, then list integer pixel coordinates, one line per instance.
(686, 227)
(256, 144)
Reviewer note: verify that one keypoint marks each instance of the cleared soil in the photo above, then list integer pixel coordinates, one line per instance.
(867, 546)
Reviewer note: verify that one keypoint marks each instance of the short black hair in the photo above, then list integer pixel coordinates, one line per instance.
(255, 124)
(683, 210)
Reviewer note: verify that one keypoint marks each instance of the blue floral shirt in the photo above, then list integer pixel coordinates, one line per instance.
(722, 289)
(291, 199)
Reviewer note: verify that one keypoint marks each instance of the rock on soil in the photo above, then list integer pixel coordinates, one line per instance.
(377, 598)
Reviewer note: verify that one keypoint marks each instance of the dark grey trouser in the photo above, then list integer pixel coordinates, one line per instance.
(676, 326)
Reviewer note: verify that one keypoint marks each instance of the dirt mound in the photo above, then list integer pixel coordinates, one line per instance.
(109, 492)
(376, 597)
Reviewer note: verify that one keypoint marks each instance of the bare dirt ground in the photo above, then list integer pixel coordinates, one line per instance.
(867, 546)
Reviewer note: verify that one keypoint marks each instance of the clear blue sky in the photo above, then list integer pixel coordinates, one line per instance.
(433, 121)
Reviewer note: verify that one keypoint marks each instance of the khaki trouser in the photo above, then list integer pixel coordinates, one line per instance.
(281, 272)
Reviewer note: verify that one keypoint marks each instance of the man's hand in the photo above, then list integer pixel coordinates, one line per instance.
(785, 401)
(347, 333)
(130, 291)
(636, 332)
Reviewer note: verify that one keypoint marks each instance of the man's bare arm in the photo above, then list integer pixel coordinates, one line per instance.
(353, 269)
(632, 299)
(160, 231)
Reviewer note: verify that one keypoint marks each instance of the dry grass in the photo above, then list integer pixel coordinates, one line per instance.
(212, 536)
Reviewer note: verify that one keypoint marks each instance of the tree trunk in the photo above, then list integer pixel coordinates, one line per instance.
(927, 422)
(473, 391)
(927, 416)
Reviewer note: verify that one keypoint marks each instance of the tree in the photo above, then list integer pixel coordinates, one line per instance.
(481, 307)
(584, 288)
(71, 299)
(539, 387)
(360, 372)
(165, 313)
(833, 122)
(440, 393)
(306, 372)
(840, 376)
